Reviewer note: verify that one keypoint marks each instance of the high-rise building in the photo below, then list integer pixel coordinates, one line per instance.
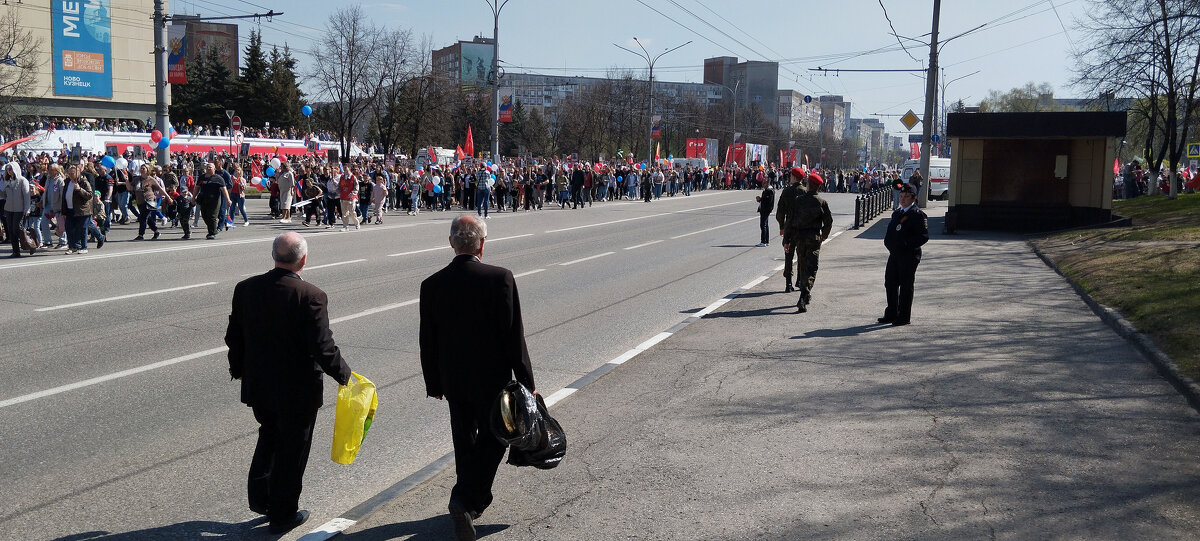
(795, 116)
(756, 82)
(466, 63)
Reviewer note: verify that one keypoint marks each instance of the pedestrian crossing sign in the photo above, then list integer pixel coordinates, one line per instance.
(1193, 150)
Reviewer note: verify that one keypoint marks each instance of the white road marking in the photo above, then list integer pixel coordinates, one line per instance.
(447, 247)
(712, 228)
(607, 223)
(644, 244)
(535, 271)
(713, 206)
(708, 309)
(109, 377)
(329, 529)
(588, 258)
(327, 265)
(377, 310)
(121, 297)
(559, 395)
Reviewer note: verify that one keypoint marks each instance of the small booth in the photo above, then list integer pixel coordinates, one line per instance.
(1032, 171)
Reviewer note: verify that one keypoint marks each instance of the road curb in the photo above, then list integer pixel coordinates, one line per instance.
(1162, 362)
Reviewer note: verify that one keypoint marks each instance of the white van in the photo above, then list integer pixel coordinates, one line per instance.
(938, 182)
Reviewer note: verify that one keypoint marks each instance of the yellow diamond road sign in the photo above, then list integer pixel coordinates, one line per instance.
(909, 119)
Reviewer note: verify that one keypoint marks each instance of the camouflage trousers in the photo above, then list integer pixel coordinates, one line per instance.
(806, 248)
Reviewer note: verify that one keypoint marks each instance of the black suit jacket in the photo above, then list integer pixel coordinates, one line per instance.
(279, 341)
(472, 337)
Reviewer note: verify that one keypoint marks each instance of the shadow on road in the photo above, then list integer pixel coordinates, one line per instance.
(195, 529)
(429, 529)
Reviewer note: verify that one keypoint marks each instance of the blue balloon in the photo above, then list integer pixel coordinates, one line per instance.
(164, 143)
(306, 110)
(107, 162)
(270, 171)
(437, 188)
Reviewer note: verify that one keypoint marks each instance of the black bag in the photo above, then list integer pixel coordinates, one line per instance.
(522, 421)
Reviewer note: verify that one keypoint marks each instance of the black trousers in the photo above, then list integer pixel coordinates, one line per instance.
(898, 279)
(12, 228)
(208, 211)
(146, 218)
(477, 453)
(766, 228)
(277, 469)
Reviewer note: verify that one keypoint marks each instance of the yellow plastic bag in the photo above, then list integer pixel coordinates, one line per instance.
(356, 403)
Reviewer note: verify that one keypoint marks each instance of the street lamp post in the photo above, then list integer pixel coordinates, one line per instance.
(736, 85)
(496, 6)
(939, 126)
(650, 83)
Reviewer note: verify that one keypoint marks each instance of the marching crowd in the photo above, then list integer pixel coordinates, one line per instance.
(56, 203)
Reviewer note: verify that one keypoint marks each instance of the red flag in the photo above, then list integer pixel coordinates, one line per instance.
(458, 153)
(469, 146)
(432, 155)
(657, 148)
(1116, 166)
(728, 154)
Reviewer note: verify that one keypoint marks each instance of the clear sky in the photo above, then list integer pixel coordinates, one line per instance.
(1022, 40)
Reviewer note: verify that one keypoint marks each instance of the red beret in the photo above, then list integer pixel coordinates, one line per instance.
(813, 177)
(798, 173)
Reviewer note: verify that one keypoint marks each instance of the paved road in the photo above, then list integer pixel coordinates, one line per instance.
(119, 416)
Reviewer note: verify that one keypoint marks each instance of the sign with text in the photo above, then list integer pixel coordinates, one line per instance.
(176, 54)
(82, 48)
(506, 105)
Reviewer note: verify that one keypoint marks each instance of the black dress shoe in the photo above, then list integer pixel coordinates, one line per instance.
(900, 322)
(464, 530)
(284, 527)
(788, 288)
(801, 307)
(885, 319)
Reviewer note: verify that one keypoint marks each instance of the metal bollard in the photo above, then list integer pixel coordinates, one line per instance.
(858, 212)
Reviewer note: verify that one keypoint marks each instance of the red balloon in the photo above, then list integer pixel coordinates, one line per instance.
(155, 136)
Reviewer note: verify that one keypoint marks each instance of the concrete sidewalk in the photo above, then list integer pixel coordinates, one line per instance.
(1006, 410)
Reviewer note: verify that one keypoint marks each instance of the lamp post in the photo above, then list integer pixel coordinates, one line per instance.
(649, 83)
(939, 126)
(736, 84)
(496, 6)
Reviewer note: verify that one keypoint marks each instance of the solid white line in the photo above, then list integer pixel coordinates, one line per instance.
(624, 357)
(334, 264)
(756, 281)
(713, 206)
(588, 258)
(711, 228)
(110, 377)
(708, 309)
(644, 244)
(130, 296)
(374, 311)
(535, 271)
(328, 530)
(607, 223)
(650, 343)
(559, 395)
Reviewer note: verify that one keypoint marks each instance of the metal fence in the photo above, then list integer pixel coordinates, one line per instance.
(871, 204)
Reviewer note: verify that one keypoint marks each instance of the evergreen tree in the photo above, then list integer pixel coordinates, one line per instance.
(254, 86)
(285, 95)
(214, 88)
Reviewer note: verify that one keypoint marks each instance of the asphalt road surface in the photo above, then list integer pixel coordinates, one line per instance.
(118, 415)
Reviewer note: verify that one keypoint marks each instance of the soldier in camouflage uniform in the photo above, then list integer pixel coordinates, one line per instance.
(808, 224)
(787, 197)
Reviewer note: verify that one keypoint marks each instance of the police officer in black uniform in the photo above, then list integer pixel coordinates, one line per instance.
(908, 230)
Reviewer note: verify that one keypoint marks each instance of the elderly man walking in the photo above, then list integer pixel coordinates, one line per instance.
(469, 374)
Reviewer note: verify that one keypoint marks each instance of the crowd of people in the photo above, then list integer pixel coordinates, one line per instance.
(313, 192)
(28, 125)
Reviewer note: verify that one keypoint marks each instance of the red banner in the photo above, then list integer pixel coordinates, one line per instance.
(696, 148)
(914, 151)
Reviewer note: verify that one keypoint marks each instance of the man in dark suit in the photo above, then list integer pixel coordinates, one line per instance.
(279, 343)
(468, 294)
(906, 233)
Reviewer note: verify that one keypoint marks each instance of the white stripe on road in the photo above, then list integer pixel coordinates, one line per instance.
(607, 223)
(559, 395)
(130, 296)
(365, 313)
(448, 247)
(711, 228)
(110, 377)
(535, 271)
(644, 244)
(588, 258)
(713, 206)
(329, 529)
(317, 266)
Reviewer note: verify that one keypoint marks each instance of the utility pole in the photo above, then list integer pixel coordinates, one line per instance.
(650, 83)
(931, 92)
(496, 6)
(162, 118)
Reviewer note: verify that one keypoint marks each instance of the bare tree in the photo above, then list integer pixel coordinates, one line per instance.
(345, 72)
(1149, 49)
(20, 57)
(395, 74)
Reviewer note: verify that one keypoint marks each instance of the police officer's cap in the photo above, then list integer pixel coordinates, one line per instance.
(907, 188)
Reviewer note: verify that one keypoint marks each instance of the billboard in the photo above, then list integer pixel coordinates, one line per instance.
(702, 148)
(223, 38)
(506, 104)
(176, 49)
(475, 64)
(82, 48)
